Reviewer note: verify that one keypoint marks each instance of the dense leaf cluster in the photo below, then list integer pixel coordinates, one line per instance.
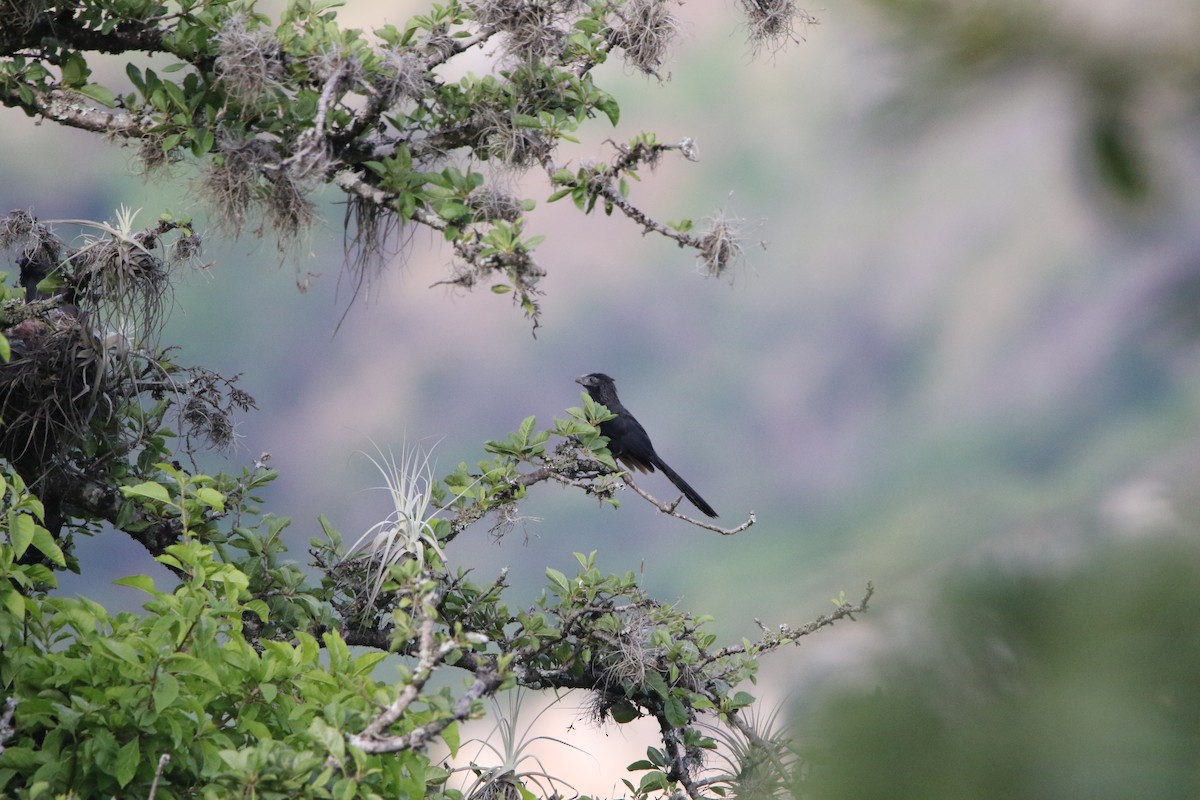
(224, 674)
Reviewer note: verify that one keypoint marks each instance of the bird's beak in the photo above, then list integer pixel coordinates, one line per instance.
(579, 380)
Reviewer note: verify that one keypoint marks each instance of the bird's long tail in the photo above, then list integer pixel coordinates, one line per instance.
(688, 491)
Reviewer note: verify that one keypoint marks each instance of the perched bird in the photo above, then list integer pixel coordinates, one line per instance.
(627, 439)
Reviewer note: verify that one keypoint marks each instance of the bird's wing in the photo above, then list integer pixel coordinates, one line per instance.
(628, 441)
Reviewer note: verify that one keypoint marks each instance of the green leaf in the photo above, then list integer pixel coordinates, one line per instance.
(559, 580)
(166, 691)
(20, 532)
(101, 94)
(44, 542)
(653, 782)
(675, 712)
(740, 700)
(526, 428)
(175, 93)
(122, 650)
(328, 737)
(203, 140)
(450, 735)
(258, 608)
(127, 761)
(135, 77)
(149, 490)
(623, 711)
(611, 109)
(5, 349)
(655, 682)
(13, 601)
(453, 211)
(184, 664)
(51, 282)
(364, 664)
(142, 582)
(211, 498)
(74, 70)
(339, 654)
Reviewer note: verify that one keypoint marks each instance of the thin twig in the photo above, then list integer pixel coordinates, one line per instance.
(429, 657)
(351, 182)
(601, 184)
(158, 771)
(786, 634)
(671, 510)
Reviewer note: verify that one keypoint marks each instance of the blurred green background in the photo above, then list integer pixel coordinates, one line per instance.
(968, 348)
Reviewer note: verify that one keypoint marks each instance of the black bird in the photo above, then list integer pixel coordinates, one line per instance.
(627, 439)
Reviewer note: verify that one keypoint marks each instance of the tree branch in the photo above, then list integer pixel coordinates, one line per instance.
(786, 634)
(62, 27)
(7, 729)
(670, 510)
(163, 760)
(106, 501)
(74, 111)
(429, 657)
(353, 183)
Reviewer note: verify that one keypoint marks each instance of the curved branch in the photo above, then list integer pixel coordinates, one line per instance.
(73, 110)
(430, 655)
(62, 27)
(105, 501)
(353, 183)
(786, 634)
(681, 768)
(670, 510)
(627, 160)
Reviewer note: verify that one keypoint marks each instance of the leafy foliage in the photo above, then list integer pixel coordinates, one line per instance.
(224, 673)
(101, 698)
(89, 401)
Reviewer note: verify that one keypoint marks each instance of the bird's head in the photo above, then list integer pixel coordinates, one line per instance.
(601, 387)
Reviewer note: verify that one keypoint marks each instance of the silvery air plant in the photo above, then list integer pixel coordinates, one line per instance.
(408, 529)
